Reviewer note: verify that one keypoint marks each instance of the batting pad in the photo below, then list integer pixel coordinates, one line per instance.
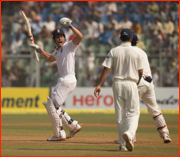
(55, 120)
(65, 123)
(161, 124)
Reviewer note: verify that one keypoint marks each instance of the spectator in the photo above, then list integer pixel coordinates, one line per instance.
(169, 76)
(146, 26)
(112, 21)
(37, 25)
(130, 9)
(176, 81)
(25, 46)
(168, 26)
(165, 7)
(14, 74)
(88, 78)
(156, 26)
(121, 7)
(141, 8)
(53, 77)
(111, 8)
(160, 15)
(16, 25)
(101, 7)
(125, 23)
(20, 34)
(155, 76)
(152, 8)
(99, 68)
(56, 10)
(136, 28)
(22, 76)
(15, 46)
(106, 37)
(77, 13)
(96, 15)
(90, 60)
(43, 78)
(141, 45)
(49, 24)
(45, 33)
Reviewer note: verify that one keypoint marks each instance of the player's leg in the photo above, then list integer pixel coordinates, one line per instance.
(133, 111)
(120, 112)
(149, 99)
(56, 121)
(61, 92)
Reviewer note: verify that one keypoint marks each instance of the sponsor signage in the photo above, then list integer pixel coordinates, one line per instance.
(83, 98)
(23, 100)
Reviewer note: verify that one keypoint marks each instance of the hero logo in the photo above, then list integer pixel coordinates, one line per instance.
(90, 100)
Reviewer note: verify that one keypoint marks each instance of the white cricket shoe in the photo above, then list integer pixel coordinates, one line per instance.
(117, 141)
(166, 138)
(129, 142)
(54, 138)
(123, 148)
(61, 138)
(72, 133)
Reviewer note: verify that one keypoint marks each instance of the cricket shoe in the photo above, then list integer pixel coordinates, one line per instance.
(129, 142)
(166, 138)
(61, 138)
(72, 133)
(54, 138)
(117, 141)
(123, 148)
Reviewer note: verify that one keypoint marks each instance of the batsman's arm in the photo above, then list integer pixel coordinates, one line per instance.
(47, 56)
(77, 39)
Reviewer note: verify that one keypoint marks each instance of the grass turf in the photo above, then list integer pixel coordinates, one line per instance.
(25, 135)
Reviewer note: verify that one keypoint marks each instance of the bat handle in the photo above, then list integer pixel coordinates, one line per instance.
(37, 58)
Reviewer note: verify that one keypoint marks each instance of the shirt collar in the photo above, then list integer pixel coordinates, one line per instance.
(126, 43)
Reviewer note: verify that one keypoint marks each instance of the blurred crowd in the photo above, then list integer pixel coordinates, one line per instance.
(155, 22)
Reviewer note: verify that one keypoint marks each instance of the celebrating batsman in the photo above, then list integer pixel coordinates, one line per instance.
(64, 56)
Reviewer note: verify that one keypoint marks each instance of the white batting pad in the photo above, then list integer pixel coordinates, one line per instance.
(55, 120)
(161, 124)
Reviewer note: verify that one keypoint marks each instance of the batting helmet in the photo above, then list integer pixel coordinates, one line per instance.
(58, 32)
(135, 39)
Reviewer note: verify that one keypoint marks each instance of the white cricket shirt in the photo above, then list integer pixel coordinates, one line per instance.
(65, 59)
(125, 61)
(146, 67)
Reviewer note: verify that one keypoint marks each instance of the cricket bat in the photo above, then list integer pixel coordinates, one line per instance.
(28, 26)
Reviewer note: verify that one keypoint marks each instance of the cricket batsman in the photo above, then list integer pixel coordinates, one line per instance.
(64, 55)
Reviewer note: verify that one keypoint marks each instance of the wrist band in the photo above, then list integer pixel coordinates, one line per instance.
(41, 51)
(70, 26)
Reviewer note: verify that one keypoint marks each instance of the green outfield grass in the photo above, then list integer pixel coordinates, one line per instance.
(25, 135)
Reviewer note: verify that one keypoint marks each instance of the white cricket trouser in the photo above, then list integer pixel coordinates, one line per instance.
(64, 87)
(147, 94)
(126, 100)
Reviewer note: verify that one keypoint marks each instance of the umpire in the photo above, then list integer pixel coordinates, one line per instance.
(128, 69)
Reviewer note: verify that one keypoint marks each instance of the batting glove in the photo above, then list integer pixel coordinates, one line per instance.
(65, 22)
(34, 47)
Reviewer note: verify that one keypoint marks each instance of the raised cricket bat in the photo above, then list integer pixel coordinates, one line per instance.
(28, 26)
